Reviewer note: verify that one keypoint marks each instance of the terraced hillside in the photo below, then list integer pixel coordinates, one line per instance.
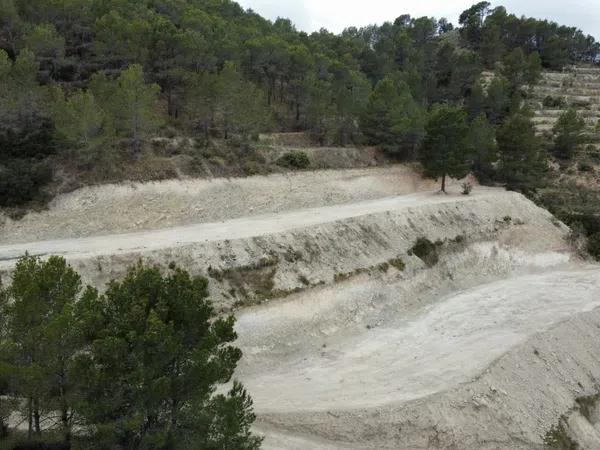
(355, 335)
(576, 87)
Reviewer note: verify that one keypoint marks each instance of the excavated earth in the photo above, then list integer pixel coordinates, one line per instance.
(350, 339)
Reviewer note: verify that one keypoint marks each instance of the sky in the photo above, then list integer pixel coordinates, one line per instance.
(335, 15)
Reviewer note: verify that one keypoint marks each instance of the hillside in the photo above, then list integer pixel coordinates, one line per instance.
(572, 191)
(216, 228)
(104, 91)
(350, 333)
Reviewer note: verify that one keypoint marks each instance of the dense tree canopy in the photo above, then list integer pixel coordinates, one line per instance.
(134, 368)
(95, 77)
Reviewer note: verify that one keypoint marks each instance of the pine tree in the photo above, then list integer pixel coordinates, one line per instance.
(393, 120)
(482, 143)
(79, 118)
(129, 103)
(568, 134)
(155, 353)
(39, 339)
(445, 150)
(522, 159)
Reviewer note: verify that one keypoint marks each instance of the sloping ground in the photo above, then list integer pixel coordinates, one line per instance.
(118, 208)
(258, 258)
(578, 88)
(355, 341)
(508, 404)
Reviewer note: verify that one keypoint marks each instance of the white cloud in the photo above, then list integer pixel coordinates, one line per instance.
(335, 15)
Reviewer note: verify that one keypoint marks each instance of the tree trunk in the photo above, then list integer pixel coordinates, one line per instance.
(30, 418)
(205, 126)
(3, 430)
(64, 413)
(36, 416)
(444, 183)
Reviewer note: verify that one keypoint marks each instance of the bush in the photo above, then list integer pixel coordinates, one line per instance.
(554, 102)
(294, 160)
(593, 246)
(22, 181)
(466, 188)
(426, 250)
(33, 140)
(558, 437)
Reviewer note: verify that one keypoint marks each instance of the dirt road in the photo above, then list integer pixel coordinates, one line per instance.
(231, 229)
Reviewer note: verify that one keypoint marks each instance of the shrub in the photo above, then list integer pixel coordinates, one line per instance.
(593, 246)
(397, 263)
(426, 250)
(22, 181)
(294, 160)
(557, 437)
(466, 188)
(554, 102)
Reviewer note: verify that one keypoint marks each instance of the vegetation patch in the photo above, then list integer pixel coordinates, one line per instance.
(587, 405)
(397, 263)
(105, 360)
(253, 282)
(342, 276)
(558, 438)
(554, 102)
(383, 267)
(296, 160)
(426, 250)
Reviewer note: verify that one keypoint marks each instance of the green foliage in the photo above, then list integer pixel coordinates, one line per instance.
(554, 102)
(481, 139)
(128, 102)
(467, 188)
(294, 160)
(520, 69)
(393, 119)
(45, 42)
(445, 150)
(593, 246)
(558, 438)
(78, 119)
(26, 133)
(156, 352)
(522, 159)
(397, 263)
(568, 133)
(39, 339)
(495, 33)
(426, 250)
(498, 100)
(136, 367)
(22, 181)
(217, 71)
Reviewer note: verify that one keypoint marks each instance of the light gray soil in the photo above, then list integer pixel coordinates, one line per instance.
(232, 229)
(485, 349)
(117, 208)
(406, 357)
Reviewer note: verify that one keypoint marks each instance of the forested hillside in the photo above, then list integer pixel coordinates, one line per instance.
(87, 85)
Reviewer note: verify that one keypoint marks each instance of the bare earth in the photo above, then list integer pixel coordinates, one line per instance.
(417, 357)
(410, 356)
(231, 229)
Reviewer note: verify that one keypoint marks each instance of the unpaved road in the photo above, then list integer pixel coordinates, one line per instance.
(449, 342)
(231, 229)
